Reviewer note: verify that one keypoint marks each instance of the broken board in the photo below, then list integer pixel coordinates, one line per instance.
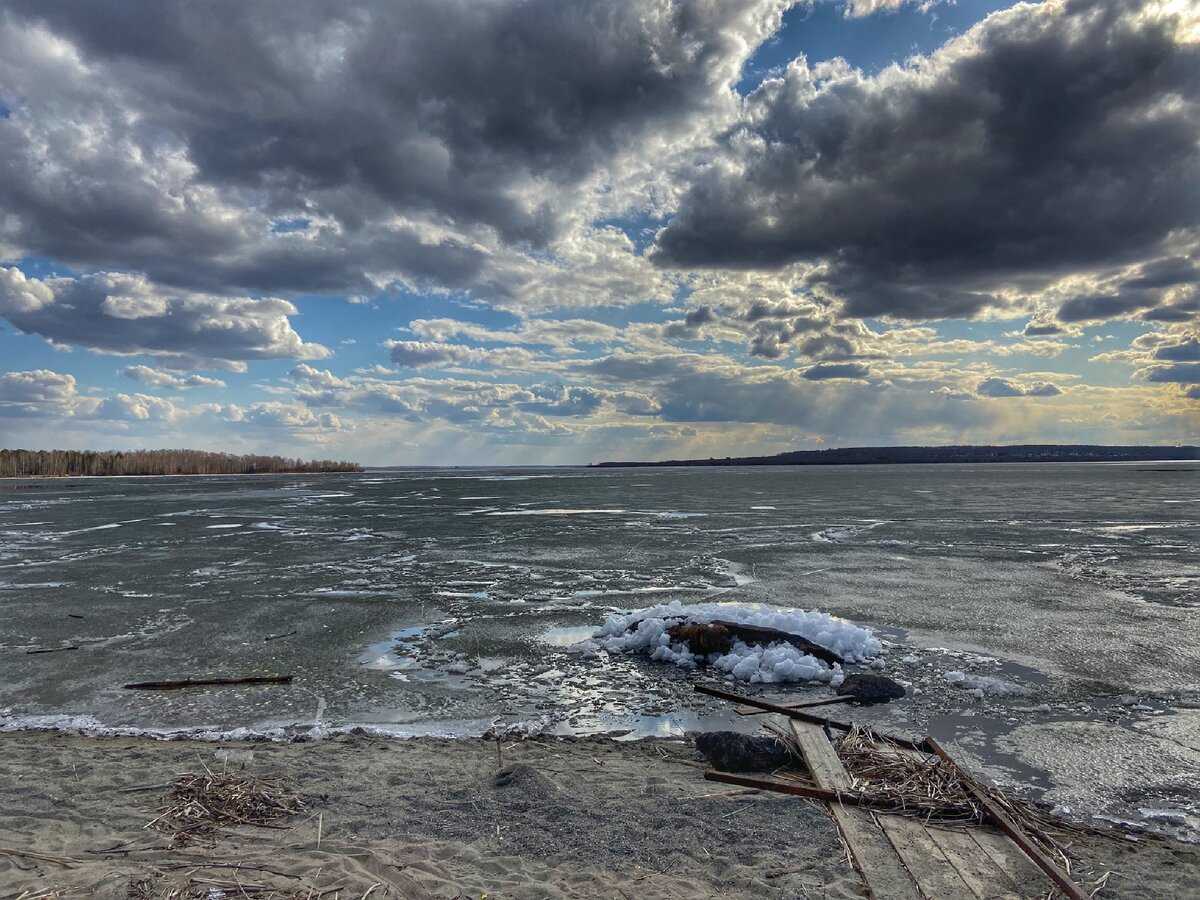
(899, 856)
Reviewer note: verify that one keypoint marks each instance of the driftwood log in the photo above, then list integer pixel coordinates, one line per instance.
(206, 682)
(718, 635)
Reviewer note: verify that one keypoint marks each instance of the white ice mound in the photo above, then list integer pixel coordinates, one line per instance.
(646, 629)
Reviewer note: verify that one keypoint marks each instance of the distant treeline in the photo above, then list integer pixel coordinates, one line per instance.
(959, 454)
(56, 463)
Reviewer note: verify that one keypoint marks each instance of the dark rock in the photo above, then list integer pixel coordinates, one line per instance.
(733, 752)
(871, 689)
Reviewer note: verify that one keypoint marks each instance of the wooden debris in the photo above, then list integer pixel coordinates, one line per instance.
(702, 638)
(795, 788)
(197, 803)
(882, 869)
(998, 817)
(798, 714)
(206, 682)
(751, 711)
(51, 649)
(275, 637)
(64, 861)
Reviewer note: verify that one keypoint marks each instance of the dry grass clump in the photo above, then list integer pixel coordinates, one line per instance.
(922, 786)
(197, 803)
(158, 888)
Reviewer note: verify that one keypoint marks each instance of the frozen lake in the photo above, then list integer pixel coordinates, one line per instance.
(417, 601)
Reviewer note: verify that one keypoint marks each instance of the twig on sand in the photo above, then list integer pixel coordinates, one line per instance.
(146, 787)
(66, 861)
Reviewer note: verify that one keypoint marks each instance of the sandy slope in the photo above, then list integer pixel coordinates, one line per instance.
(588, 818)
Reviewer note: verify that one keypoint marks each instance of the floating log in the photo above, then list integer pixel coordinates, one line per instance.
(793, 713)
(51, 649)
(206, 682)
(275, 637)
(1001, 820)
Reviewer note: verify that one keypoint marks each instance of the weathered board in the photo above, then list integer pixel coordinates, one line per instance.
(882, 871)
(899, 856)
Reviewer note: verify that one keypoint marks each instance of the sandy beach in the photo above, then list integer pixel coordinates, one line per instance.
(429, 818)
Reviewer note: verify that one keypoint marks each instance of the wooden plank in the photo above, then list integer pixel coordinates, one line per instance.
(822, 760)
(928, 866)
(882, 872)
(933, 872)
(986, 879)
(1030, 881)
(994, 866)
(1001, 820)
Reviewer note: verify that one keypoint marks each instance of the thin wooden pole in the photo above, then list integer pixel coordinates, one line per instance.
(797, 790)
(792, 713)
(1001, 820)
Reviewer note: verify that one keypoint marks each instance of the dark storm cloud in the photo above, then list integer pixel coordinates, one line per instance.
(272, 145)
(825, 371)
(1188, 351)
(690, 327)
(1042, 329)
(1051, 139)
(1104, 306)
(1182, 373)
(1002, 387)
(1172, 312)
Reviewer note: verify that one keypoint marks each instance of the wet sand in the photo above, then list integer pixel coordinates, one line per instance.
(577, 818)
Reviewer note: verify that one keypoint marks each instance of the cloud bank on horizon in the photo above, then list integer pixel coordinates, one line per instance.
(441, 231)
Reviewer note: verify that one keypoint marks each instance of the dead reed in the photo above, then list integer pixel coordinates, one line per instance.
(192, 888)
(199, 802)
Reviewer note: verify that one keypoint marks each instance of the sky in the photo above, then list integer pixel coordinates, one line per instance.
(456, 232)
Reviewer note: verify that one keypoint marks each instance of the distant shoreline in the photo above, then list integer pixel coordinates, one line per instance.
(22, 463)
(964, 454)
(162, 475)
